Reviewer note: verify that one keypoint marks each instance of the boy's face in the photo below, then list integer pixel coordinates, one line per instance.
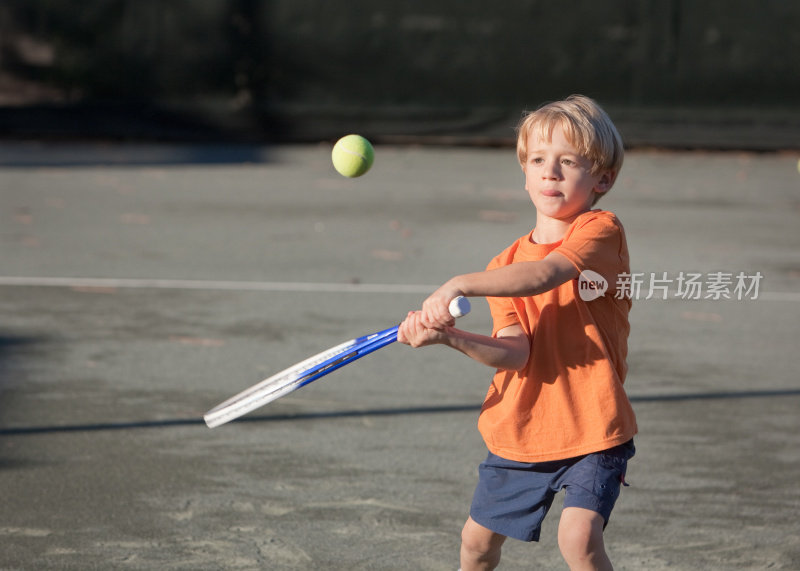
(559, 180)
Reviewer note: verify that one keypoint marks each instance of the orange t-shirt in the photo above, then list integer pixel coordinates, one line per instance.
(568, 400)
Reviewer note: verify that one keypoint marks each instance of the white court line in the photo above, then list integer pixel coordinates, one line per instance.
(222, 285)
(780, 296)
(212, 285)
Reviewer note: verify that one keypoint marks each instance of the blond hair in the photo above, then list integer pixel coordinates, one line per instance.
(586, 126)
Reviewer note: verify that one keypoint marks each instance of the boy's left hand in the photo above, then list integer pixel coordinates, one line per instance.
(435, 312)
(413, 332)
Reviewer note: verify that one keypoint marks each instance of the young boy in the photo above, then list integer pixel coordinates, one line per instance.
(556, 415)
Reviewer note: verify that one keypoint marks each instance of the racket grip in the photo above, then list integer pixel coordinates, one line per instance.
(459, 306)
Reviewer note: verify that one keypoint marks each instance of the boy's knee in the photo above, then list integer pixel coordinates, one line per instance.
(575, 542)
(476, 543)
(480, 545)
(580, 538)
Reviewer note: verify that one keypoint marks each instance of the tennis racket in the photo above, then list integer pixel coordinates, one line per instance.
(309, 370)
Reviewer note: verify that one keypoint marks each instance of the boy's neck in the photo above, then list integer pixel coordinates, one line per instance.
(551, 230)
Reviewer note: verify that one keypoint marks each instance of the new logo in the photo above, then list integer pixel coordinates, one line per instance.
(591, 285)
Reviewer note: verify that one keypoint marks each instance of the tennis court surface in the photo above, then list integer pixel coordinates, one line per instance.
(142, 285)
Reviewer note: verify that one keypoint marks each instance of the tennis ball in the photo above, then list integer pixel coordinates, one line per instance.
(352, 156)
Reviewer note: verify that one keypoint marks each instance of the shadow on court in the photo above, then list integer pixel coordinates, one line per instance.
(408, 411)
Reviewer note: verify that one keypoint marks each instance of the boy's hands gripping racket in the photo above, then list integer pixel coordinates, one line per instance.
(309, 370)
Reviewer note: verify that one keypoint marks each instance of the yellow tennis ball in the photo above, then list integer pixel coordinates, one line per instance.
(352, 155)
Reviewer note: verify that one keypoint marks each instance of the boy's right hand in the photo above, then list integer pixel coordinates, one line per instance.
(414, 333)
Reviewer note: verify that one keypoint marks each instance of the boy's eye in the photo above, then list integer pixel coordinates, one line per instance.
(537, 160)
(568, 162)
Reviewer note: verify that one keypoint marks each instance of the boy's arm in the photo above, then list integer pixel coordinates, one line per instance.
(520, 279)
(509, 350)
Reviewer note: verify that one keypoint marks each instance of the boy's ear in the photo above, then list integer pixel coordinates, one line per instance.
(605, 182)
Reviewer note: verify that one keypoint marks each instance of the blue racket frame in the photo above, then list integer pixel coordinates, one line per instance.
(361, 347)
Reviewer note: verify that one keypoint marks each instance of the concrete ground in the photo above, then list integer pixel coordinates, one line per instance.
(142, 285)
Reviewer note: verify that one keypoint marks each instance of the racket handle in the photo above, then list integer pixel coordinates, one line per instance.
(459, 306)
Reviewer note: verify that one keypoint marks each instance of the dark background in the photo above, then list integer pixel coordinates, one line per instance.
(672, 73)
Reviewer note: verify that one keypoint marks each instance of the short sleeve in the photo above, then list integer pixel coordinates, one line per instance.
(504, 313)
(597, 242)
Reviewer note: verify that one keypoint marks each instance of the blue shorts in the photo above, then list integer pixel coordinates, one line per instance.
(512, 498)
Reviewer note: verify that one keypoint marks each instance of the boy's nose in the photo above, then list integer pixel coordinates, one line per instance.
(551, 172)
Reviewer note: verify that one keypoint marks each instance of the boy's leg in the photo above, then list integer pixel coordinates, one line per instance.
(592, 487)
(580, 538)
(480, 547)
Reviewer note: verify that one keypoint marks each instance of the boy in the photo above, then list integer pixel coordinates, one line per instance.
(556, 415)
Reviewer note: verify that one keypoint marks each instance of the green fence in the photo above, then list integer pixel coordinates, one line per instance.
(710, 73)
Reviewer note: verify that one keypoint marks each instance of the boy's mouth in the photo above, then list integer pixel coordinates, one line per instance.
(552, 193)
